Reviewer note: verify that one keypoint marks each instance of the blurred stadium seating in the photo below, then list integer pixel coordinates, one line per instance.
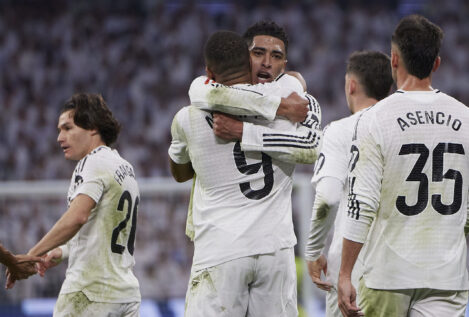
(141, 56)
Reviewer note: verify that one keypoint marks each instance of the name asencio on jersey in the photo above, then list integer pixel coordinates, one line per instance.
(122, 172)
(428, 117)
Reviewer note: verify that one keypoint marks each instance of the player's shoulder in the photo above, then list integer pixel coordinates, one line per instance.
(291, 82)
(200, 82)
(283, 85)
(183, 113)
(106, 156)
(455, 102)
(95, 162)
(344, 125)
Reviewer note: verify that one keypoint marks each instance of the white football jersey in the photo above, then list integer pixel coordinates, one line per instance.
(101, 254)
(409, 179)
(333, 162)
(241, 202)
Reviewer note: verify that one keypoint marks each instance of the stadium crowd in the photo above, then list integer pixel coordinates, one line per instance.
(141, 56)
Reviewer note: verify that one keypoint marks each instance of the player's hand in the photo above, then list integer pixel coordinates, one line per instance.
(51, 259)
(347, 297)
(314, 270)
(24, 267)
(227, 128)
(294, 108)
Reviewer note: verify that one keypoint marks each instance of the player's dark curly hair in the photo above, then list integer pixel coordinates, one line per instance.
(91, 112)
(266, 27)
(373, 70)
(419, 42)
(226, 52)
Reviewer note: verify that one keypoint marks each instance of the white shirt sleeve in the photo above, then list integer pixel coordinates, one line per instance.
(178, 151)
(366, 174)
(65, 251)
(286, 141)
(206, 94)
(329, 191)
(93, 180)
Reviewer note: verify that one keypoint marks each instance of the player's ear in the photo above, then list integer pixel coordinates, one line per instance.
(394, 59)
(436, 64)
(352, 88)
(209, 73)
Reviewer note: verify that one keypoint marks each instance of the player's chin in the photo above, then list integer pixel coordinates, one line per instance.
(68, 155)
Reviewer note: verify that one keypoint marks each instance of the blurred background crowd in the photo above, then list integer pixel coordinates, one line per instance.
(141, 56)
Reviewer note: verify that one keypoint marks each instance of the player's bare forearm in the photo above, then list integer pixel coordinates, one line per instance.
(25, 265)
(67, 226)
(347, 294)
(294, 108)
(227, 128)
(350, 251)
(6, 257)
(181, 172)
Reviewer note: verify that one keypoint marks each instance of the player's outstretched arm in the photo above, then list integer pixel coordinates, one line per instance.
(67, 226)
(18, 266)
(206, 94)
(63, 230)
(261, 100)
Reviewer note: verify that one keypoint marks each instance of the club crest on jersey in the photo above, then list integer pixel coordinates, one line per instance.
(78, 180)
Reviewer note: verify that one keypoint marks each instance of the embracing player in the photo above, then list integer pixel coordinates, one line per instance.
(243, 257)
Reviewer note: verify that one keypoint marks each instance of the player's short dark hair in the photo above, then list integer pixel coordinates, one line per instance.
(373, 70)
(91, 112)
(226, 52)
(266, 27)
(419, 42)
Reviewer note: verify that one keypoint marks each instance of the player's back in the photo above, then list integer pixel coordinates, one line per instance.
(241, 203)
(101, 253)
(418, 238)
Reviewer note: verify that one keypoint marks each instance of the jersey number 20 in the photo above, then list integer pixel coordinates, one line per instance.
(115, 247)
(437, 176)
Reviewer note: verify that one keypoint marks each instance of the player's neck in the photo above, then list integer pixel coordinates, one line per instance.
(235, 78)
(97, 142)
(363, 102)
(409, 82)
